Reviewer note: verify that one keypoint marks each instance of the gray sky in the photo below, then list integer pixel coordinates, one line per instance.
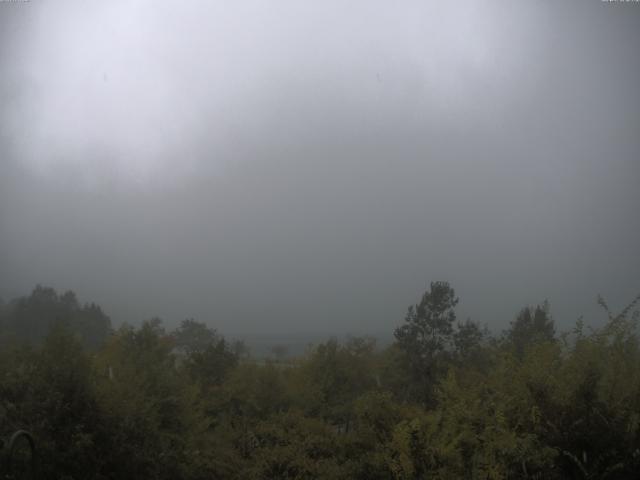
(295, 167)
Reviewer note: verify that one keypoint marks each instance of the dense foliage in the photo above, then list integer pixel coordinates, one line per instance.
(446, 400)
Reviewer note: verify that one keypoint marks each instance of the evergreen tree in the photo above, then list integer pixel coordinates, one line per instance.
(426, 338)
(532, 325)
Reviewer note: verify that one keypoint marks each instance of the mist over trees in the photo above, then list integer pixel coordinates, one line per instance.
(320, 240)
(447, 399)
(28, 320)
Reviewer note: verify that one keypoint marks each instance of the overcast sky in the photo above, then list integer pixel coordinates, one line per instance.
(310, 166)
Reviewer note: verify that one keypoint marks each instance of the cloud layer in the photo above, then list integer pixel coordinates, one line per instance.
(279, 166)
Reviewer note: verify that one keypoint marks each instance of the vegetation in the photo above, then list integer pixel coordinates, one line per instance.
(446, 400)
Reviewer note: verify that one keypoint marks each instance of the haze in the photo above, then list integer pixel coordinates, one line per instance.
(309, 167)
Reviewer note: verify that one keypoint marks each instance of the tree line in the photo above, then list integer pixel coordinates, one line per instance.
(446, 400)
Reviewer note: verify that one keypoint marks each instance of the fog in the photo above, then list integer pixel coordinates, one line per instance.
(309, 167)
